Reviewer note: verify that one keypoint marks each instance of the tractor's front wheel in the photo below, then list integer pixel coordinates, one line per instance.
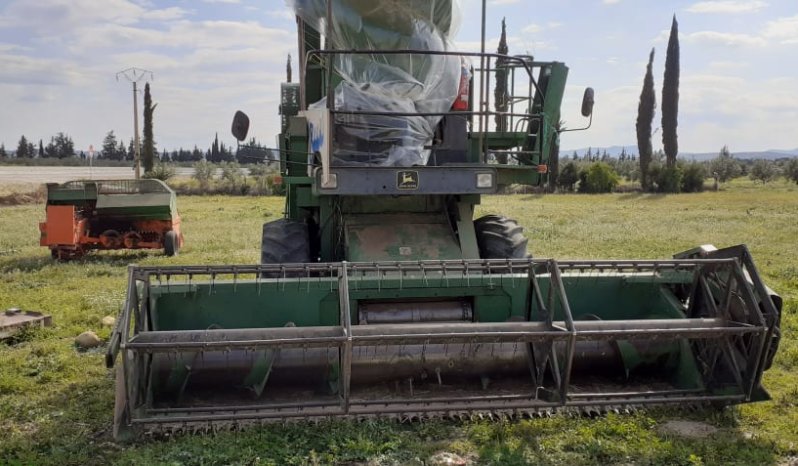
(500, 238)
(285, 242)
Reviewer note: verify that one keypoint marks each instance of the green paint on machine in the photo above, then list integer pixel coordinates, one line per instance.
(610, 332)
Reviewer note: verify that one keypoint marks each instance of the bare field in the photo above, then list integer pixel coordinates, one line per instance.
(56, 403)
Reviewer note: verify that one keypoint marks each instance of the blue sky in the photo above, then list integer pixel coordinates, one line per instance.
(212, 57)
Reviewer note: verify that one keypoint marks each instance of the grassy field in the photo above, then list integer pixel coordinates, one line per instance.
(56, 402)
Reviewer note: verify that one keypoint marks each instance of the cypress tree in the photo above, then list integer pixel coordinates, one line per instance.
(670, 97)
(500, 93)
(148, 146)
(645, 117)
(22, 148)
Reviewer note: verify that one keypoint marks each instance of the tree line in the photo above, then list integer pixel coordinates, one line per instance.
(597, 172)
(61, 146)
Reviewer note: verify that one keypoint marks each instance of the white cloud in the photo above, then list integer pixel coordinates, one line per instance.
(59, 18)
(64, 15)
(727, 6)
(188, 34)
(25, 70)
(611, 2)
(663, 36)
(727, 66)
(284, 13)
(518, 45)
(166, 14)
(503, 2)
(12, 48)
(535, 28)
(713, 103)
(532, 29)
(724, 39)
(784, 30)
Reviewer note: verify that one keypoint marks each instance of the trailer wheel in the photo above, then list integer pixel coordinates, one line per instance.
(500, 238)
(285, 242)
(171, 244)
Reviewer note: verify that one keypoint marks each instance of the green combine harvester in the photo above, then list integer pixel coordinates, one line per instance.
(379, 294)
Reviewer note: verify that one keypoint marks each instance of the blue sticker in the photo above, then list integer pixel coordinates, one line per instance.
(316, 139)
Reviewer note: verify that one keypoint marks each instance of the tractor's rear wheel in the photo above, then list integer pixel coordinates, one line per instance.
(500, 238)
(171, 243)
(285, 242)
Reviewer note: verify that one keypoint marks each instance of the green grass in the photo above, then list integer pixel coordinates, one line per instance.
(56, 402)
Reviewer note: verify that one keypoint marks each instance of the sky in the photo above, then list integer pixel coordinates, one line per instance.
(209, 58)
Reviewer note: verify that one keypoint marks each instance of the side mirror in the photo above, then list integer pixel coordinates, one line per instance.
(240, 126)
(587, 102)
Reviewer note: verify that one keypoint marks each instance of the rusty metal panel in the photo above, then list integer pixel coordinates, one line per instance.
(61, 225)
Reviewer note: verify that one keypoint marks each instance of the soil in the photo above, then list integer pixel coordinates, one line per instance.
(688, 429)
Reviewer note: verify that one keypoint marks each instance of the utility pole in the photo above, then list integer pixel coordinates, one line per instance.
(135, 75)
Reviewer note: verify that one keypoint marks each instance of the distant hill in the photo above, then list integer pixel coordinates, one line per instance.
(615, 151)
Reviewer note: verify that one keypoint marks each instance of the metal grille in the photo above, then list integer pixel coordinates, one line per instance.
(723, 325)
(131, 187)
(118, 186)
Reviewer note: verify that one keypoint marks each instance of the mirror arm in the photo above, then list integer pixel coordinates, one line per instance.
(589, 124)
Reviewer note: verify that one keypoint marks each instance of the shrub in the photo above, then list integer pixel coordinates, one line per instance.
(791, 170)
(654, 173)
(693, 178)
(161, 172)
(568, 177)
(267, 181)
(276, 184)
(582, 181)
(233, 178)
(600, 178)
(669, 179)
(203, 173)
(724, 167)
(763, 171)
(259, 169)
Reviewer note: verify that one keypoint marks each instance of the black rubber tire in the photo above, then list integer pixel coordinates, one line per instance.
(285, 242)
(171, 243)
(500, 238)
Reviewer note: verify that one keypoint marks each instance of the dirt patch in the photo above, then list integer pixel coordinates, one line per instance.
(448, 459)
(688, 429)
(14, 199)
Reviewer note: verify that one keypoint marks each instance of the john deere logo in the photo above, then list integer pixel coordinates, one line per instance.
(407, 180)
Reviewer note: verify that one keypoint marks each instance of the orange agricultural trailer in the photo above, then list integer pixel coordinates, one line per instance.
(113, 214)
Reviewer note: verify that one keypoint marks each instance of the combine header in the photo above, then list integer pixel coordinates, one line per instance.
(379, 294)
(115, 214)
